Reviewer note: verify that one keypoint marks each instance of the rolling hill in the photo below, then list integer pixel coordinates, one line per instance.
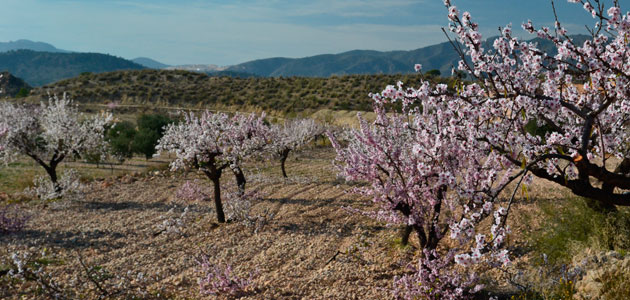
(39, 68)
(194, 90)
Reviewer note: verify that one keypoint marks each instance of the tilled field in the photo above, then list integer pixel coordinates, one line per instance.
(308, 247)
(311, 248)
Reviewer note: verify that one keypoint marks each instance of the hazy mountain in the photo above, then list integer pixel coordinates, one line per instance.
(29, 45)
(149, 63)
(441, 57)
(39, 68)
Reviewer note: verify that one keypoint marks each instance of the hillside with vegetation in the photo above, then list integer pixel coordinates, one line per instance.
(190, 89)
(39, 68)
(11, 86)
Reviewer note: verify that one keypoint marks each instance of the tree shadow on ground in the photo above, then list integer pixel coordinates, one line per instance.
(67, 239)
(311, 228)
(315, 203)
(126, 205)
(139, 206)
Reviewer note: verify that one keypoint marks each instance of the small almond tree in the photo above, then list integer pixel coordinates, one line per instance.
(213, 142)
(50, 133)
(291, 136)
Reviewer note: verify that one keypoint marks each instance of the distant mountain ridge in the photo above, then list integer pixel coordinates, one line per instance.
(39, 68)
(150, 63)
(29, 45)
(441, 57)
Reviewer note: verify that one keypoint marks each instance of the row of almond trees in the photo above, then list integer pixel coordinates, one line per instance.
(212, 142)
(437, 158)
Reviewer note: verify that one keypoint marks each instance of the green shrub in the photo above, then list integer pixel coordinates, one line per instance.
(121, 138)
(150, 130)
(23, 92)
(434, 73)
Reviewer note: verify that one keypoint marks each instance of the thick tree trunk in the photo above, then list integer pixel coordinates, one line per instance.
(217, 199)
(52, 173)
(428, 240)
(422, 237)
(214, 174)
(433, 230)
(622, 168)
(51, 169)
(405, 232)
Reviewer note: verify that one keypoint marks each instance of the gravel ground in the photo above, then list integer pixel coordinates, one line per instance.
(311, 249)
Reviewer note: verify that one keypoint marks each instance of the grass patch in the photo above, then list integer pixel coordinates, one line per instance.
(162, 167)
(17, 176)
(563, 290)
(571, 226)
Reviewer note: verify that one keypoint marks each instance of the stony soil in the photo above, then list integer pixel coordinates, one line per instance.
(311, 249)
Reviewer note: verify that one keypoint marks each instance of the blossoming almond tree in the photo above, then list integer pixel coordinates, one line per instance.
(414, 164)
(291, 136)
(249, 136)
(213, 142)
(521, 84)
(439, 163)
(49, 133)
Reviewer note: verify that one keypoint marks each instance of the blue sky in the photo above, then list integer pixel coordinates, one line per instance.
(226, 32)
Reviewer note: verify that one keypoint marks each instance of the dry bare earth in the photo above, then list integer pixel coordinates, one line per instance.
(115, 225)
(311, 249)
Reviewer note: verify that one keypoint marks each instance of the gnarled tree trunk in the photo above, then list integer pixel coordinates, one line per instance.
(214, 174)
(283, 158)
